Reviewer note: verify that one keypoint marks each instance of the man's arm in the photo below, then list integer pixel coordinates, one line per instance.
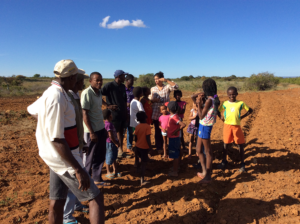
(87, 122)
(110, 107)
(250, 111)
(64, 151)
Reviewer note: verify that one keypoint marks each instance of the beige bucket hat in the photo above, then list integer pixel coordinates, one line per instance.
(65, 68)
(81, 75)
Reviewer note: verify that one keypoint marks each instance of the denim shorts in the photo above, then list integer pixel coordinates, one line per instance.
(111, 153)
(204, 132)
(174, 148)
(59, 185)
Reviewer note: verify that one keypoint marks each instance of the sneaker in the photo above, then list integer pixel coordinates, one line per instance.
(223, 165)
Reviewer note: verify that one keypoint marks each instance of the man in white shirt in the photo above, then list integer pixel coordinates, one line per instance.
(58, 144)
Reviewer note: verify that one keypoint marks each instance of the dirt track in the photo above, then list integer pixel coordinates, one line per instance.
(267, 193)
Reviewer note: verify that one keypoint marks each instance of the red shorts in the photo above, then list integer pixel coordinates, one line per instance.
(233, 133)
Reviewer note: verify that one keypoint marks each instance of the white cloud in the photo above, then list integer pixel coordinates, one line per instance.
(121, 23)
(105, 20)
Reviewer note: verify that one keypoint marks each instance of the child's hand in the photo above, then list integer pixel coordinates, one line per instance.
(175, 133)
(223, 119)
(164, 130)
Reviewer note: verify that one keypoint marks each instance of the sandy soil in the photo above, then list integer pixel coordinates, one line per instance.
(267, 193)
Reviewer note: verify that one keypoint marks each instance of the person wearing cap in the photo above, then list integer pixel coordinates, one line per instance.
(116, 95)
(72, 203)
(160, 94)
(94, 127)
(58, 144)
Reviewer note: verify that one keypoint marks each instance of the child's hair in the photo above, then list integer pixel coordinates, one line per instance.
(159, 75)
(106, 114)
(209, 87)
(141, 116)
(232, 88)
(137, 91)
(145, 88)
(129, 76)
(177, 92)
(173, 107)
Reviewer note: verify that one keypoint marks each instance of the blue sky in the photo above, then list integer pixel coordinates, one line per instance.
(200, 37)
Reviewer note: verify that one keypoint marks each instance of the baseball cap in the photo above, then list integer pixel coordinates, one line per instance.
(81, 75)
(173, 106)
(119, 72)
(65, 68)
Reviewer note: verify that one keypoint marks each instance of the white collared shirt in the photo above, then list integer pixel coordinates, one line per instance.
(56, 120)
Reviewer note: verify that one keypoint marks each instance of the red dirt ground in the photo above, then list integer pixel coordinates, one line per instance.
(267, 193)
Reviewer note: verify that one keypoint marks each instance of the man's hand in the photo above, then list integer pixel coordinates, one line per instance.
(94, 137)
(113, 107)
(83, 179)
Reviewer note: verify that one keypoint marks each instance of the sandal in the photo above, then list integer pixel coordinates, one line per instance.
(72, 222)
(110, 176)
(103, 183)
(117, 174)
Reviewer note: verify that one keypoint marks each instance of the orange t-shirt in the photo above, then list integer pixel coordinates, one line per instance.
(141, 131)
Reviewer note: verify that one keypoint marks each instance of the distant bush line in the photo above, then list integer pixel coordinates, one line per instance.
(21, 85)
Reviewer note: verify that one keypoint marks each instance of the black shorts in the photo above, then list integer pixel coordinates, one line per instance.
(143, 154)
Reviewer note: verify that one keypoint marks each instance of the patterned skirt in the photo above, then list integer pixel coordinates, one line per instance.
(192, 129)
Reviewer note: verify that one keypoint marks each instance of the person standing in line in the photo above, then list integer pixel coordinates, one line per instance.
(116, 95)
(58, 144)
(129, 81)
(94, 129)
(72, 203)
(160, 94)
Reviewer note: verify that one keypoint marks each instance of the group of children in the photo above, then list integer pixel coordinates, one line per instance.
(203, 115)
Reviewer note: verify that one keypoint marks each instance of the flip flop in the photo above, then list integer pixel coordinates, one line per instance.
(110, 176)
(117, 174)
(103, 183)
(72, 222)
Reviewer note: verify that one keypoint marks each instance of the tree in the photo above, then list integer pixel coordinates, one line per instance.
(37, 76)
(146, 80)
(261, 81)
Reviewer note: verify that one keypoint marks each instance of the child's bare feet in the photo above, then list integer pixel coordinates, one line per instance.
(165, 157)
(190, 157)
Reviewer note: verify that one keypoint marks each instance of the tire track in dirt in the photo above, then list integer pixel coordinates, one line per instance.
(249, 123)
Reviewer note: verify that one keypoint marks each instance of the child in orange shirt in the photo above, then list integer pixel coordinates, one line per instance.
(142, 143)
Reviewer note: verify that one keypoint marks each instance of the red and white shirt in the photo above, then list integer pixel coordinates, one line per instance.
(56, 120)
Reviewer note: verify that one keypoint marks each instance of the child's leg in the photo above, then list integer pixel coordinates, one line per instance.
(136, 161)
(176, 164)
(114, 166)
(165, 138)
(241, 148)
(107, 169)
(208, 153)
(191, 144)
(201, 157)
(143, 169)
(182, 140)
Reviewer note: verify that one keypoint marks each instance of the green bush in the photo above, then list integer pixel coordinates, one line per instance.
(295, 80)
(36, 76)
(261, 81)
(146, 80)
